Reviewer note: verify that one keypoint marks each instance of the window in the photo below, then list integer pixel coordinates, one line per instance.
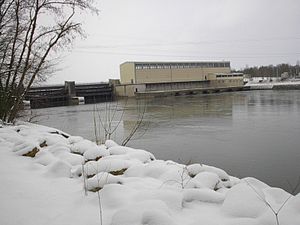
(146, 66)
(138, 67)
(166, 66)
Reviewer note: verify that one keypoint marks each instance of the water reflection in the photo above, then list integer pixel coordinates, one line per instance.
(253, 133)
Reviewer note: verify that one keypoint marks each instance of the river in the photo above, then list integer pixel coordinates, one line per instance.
(253, 133)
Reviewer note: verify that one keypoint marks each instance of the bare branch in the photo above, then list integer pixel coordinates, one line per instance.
(26, 44)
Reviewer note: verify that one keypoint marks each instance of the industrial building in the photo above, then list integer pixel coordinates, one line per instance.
(146, 78)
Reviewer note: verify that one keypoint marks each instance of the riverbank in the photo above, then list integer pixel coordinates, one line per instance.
(44, 182)
(275, 85)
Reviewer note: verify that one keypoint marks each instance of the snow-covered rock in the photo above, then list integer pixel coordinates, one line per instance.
(194, 169)
(110, 143)
(59, 168)
(133, 187)
(202, 195)
(82, 146)
(95, 153)
(105, 165)
(98, 181)
(206, 180)
(118, 150)
(242, 201)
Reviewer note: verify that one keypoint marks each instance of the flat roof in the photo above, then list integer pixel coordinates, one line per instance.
(173, 62)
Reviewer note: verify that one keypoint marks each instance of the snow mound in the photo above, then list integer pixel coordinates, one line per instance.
(170, 197)
(242, 201)
(140, 156)
(82, 146)
(118, 150)
(296, 202)
(276, 197)
(55, 139)
(110, 143)
(139, 213)
(75, 139)
(59, 168)
(116, 196)
(206, 180)
(9, 135)
(106, 165)
(132, 186)
(126, 217)
(194, 169)
(44, 158)
(202, 195)
(98, 181)
(95, 153)
(157, 217)
(72, 159)
(221, 173)
(24, 147)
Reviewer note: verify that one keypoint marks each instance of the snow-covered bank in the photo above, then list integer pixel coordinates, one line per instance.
(266, 85)
(134, 187)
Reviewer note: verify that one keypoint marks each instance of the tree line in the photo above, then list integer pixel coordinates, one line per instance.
(272, 70)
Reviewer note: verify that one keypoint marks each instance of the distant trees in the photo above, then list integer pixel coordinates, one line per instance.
(31, 31)
(272, 71)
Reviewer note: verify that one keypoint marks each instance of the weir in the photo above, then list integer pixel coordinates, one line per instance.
(68, 94)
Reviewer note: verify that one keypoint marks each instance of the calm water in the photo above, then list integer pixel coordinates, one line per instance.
(253, 133)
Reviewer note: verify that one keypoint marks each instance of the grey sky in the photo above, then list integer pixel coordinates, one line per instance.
(252, 32)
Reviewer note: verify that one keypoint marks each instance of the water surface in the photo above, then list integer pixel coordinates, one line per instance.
(255, 133)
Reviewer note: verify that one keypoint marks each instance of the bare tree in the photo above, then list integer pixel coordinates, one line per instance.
(32, 32)
(268, 204)
(139, 123)
(108, 119)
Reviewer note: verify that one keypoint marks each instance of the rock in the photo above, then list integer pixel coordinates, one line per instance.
(32, 153)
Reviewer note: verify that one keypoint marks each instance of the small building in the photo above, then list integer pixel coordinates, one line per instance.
(174, 77)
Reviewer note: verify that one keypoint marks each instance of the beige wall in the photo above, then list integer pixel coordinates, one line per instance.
(125, 90)
(153, 76)
(227, 82)
(127, 73)
(120, 90)
(177, 75)
(129, 89)
(211, 71)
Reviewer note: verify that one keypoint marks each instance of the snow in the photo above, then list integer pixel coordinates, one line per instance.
(194, 169)
(95, 153)
(81, 146)
(132, 186)
(105, 165)
(206, 180)
(110, 143)
(260, 83)
(59, 168)
(242, 201)
(203, 195)
(101, 179)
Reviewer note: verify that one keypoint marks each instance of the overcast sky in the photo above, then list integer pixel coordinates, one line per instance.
(245, 32)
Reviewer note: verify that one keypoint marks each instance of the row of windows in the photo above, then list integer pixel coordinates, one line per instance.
(180, 65)
(176, 85)
(229, 75)
(229, 81)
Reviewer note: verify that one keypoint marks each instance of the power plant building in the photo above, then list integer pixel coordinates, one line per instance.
(175, 77)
